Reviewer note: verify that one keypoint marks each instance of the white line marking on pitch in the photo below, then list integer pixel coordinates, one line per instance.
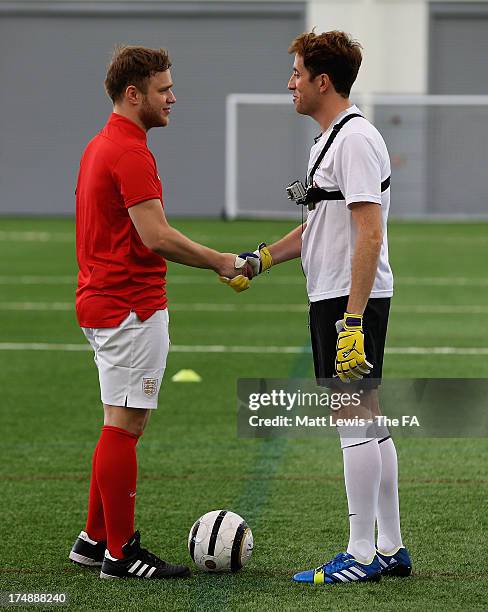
(37, 306)
(440, 239)
(440, 309)
(270, 308)
(220, 348)
(42, 346)
(181, 279)
(43, 236)
(204, 279)
(37, 280)
(442, 281)
(6, 236)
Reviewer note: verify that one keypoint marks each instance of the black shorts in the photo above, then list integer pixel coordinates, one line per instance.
(323, 317)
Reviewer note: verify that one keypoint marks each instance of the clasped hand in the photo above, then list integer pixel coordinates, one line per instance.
(248, 265)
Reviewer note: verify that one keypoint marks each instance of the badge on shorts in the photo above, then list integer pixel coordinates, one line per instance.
(150, 386)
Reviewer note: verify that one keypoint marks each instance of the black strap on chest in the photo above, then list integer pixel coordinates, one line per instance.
(317, 194)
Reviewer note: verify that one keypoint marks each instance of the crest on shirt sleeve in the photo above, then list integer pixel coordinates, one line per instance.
(150, 386)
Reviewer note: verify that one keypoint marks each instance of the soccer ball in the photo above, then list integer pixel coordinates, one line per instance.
(220, 541)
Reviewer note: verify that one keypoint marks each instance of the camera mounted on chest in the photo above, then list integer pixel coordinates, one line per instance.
(309, 195)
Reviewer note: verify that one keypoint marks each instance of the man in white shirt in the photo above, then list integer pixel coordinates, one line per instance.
(344, 251)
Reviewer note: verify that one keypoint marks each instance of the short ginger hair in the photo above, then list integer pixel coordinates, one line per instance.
(134, 66)
(333, 53)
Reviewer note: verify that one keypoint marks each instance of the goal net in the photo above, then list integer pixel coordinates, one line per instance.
(438, 148)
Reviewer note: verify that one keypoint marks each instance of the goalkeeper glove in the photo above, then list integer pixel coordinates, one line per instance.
(240, 282)
(351, 363)
(260, 260)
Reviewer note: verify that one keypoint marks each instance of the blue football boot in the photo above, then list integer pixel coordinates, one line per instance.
(397, 564)
(343, 568)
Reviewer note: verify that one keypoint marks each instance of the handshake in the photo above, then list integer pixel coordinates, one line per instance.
(350, 362)
(250, 265)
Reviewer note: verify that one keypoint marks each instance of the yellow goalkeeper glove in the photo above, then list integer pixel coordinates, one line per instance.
(240, 282)
(260, 260)
(351, 363)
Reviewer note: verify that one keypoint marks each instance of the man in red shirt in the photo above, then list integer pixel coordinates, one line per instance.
(122, 241)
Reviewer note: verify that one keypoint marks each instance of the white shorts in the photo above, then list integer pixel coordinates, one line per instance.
(131, 359)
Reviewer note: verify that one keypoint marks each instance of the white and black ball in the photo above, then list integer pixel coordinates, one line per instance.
(220, 541)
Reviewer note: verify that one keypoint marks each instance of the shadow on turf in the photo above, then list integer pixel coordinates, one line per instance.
(243, 478)
(204, 577)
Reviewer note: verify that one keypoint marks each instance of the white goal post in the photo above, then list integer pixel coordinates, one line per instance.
(232, 210)
(433, 140)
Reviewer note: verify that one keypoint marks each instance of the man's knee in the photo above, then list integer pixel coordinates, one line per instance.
(130, 419)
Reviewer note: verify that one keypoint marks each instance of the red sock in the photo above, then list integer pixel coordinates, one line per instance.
(95, 522)
(116, 471)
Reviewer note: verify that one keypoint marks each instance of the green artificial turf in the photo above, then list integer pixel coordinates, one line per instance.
(190, 459)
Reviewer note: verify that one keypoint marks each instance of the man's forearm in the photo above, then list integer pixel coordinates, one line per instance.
(175, 246)
(364, 266)
(289, 247)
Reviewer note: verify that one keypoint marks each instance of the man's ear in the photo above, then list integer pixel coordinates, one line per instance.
(324, 82)
(132, 94)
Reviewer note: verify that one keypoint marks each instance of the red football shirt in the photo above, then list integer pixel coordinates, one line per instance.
(117, 273)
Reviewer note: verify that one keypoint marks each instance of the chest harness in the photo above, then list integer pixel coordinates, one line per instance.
(310, 195)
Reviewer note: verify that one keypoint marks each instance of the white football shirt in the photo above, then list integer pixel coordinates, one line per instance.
(356, 164)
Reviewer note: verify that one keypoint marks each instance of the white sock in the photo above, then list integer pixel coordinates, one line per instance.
(362, 472)
(388, 517)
